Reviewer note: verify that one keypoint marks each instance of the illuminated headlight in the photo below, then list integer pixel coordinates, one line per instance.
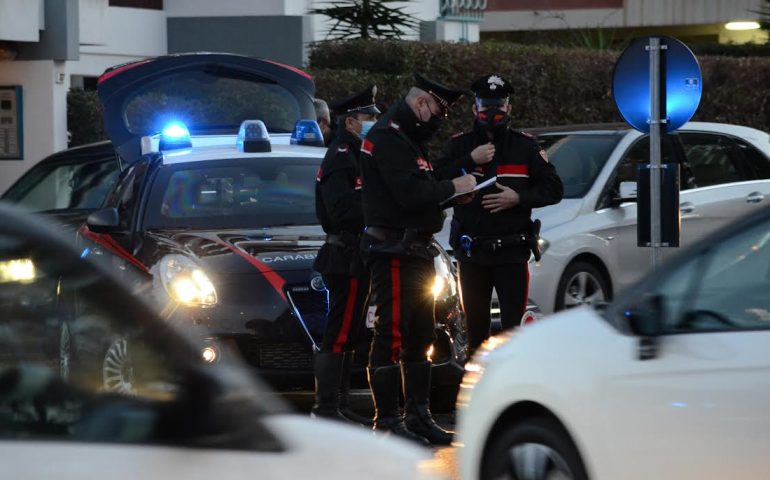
(185, 282)
(443, 282)
(21, 270)
(209, 354)
(543, 244)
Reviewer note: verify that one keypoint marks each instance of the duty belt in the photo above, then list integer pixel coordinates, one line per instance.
(494, 243)
(400, 242)
(342, 239)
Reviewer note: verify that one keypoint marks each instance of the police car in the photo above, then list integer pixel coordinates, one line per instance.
(219, 230)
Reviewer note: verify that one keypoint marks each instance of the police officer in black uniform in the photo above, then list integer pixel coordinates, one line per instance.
(401, 201)
(338, 206)
(493, 235)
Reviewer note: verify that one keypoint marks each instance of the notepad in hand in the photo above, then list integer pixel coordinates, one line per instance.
(486, 183)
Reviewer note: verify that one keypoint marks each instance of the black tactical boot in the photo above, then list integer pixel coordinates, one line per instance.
(328, 368)
(384, 382)
(416, 407)
(345, 409)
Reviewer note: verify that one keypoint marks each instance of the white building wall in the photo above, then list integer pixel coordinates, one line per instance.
(94, 15)
(44, 110)
(21, 20)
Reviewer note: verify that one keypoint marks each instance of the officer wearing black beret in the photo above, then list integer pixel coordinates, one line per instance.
(402, 199)
(493, 235)
(338, 207)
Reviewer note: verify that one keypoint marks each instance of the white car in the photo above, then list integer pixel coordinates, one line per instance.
(589, 238)
(671, 381)
(174, 418)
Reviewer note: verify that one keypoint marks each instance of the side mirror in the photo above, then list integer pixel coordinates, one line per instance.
(104, 220)
(645, 320)
(627, 193)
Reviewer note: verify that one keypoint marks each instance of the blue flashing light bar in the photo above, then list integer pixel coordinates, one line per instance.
(173, 136)
(253, 137)
(307, 132)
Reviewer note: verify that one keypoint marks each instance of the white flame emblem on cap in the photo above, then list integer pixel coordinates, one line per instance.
(494, 81)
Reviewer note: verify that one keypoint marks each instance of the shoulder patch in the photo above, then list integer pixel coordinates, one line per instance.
(342, 148)
(544, 155)
(394, 125)
(458, 134)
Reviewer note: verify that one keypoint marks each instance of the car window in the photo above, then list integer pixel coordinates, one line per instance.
(125, 195)
(578, 158)
(724, 288)
(76, 185)
(235, 194)
(757, 163)
(713, 158)
(639, 153)
(81, 362)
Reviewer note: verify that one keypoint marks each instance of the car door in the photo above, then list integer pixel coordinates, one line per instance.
(722, 187)
(632, 261)
(115, 249)
(698, 408)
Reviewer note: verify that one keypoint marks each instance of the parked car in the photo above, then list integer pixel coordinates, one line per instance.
(68, 185)
(180, 420)
(219, 230)
(589, 238)
(672, 381)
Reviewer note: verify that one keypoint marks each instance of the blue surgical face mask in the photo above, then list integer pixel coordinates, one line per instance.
(365, 127)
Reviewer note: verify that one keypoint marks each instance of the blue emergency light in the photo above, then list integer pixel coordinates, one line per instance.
(253, 137)
(307, 132)
(175, 135)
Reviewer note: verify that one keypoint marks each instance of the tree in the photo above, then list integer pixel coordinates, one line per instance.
(366, 19)
(764, 15)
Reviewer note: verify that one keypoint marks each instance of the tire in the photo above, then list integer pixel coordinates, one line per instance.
(581, 284)
(533, 449)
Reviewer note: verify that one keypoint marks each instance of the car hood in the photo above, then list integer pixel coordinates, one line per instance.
(279, 249)
(555, 215)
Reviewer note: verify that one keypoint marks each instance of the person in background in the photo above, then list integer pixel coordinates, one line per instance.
(338, 207)
(324, 120)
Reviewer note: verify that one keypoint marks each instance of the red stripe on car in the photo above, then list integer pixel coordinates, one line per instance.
(270, 275)
(106, 241)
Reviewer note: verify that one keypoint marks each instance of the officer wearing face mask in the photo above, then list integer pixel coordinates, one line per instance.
(493, 235)
(338, 207)
(402, 199)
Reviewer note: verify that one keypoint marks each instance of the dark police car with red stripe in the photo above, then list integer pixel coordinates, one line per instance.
(218, 229)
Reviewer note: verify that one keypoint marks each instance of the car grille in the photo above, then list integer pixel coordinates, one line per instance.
(276, 356)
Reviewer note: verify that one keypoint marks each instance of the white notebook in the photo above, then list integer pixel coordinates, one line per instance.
(479, 186)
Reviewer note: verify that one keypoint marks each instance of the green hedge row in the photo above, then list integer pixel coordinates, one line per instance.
(552, 86)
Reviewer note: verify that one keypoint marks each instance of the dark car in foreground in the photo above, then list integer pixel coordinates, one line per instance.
(181, 419)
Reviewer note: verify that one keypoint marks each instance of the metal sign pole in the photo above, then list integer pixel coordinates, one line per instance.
(654, 48)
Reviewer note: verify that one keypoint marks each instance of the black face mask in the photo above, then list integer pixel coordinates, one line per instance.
(431, 126)
(493, 120)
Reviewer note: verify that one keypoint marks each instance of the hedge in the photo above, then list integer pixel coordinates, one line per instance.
(552, 86)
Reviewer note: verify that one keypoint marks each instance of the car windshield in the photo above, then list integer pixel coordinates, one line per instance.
(578, 158)
(70, 186)
(234, 193)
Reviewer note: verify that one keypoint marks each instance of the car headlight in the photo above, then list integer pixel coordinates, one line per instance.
(443, 282)
(185, 282)
(543, 245)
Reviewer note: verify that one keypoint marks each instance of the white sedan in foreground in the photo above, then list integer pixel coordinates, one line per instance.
(672, 381)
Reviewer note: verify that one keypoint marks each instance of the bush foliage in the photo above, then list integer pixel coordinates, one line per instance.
(552, 86)
(84, 118)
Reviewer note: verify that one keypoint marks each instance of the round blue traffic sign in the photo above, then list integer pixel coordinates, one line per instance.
(680, 78)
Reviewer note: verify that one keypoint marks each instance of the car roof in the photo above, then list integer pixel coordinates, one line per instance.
(623, 128)
(96, 149)
(221, 147)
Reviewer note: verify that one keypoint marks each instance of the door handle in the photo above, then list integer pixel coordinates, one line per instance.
(687, 207)
(755, 197)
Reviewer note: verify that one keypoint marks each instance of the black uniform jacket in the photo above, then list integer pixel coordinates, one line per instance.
(401, 190)
(518, 164)
(338, 206)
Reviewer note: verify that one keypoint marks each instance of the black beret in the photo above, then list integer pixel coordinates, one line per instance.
(443, 94)
(361, 102)
(492, 87)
